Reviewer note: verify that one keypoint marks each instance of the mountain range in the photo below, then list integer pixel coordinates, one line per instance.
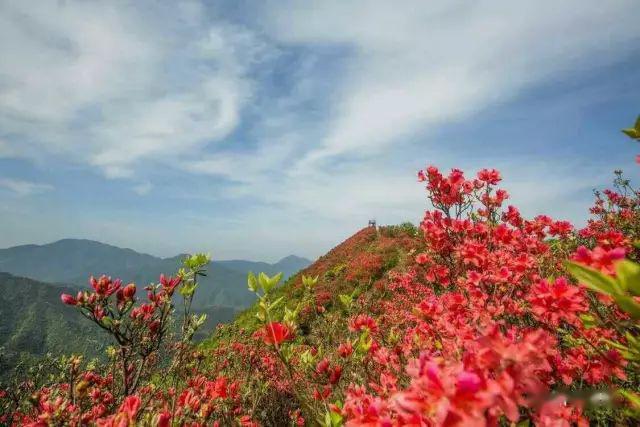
(34, 322)
(72, 261)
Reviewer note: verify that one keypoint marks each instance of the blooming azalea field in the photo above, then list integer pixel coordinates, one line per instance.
(477, 317)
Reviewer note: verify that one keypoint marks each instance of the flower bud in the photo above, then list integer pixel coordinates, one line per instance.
(322, 366)
(129, 291)
(345, 349)
(335, 374)
(68, 299)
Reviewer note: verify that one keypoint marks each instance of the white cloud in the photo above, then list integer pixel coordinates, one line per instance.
(24, 188)
(415, 65)
(123, 87)
(112, 85)
(142, 189)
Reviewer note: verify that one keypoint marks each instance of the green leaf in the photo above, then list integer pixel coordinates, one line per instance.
(197, 261)
(275, 280)
(628, 273)
(286, 352)
(199, 320)
(632, 397)
(336, 419)
(306, 358)
(290, 316)
(187, 290)
(275, 303)
(252, 282)
(628, 305)
(308, 281)
(593, 279)
(633, 341)
(345, 300)
(268, 283)
(631, 133)
(263, 281)
(364, 342)
(327, 419)
(588, 321)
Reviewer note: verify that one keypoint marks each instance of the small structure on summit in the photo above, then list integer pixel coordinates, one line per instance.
(372, 223)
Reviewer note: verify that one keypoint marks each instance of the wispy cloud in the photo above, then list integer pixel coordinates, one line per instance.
(24, 188)
(421, 64)
(290, 122)
(142, 189)
(106, 85)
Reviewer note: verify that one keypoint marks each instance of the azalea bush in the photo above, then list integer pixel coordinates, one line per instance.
(477, 316)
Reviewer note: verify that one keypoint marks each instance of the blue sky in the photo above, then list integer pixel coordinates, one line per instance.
(259, 129)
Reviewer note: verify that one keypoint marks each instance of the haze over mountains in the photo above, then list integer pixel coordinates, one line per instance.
(34, 321)
(72, 261)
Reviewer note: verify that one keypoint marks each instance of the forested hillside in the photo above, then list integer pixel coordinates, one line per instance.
(33, 323)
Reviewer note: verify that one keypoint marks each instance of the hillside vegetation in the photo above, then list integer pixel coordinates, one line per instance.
(34, 323)
(477, 317)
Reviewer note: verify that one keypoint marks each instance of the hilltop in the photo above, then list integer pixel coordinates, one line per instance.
(360, 264)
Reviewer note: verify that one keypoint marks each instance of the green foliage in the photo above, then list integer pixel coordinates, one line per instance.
(592, 278)
(633, 132)
(621, 288)
(404, 229)
(346, 300)
(618, 288)
(335, 271)
(332, 419)
(33, 323)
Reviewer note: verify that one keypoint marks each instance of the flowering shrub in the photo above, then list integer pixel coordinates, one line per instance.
(479, 316)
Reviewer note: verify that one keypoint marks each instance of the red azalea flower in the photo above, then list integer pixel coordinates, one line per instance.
(322, 366)
(169, 283)
(276, 333)
(552, 302)
(130, 406)
(422, 258)
(599, 258)
(490, 176)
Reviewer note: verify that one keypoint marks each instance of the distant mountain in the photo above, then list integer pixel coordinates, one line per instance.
(72, 261)
(33, 320)
(68, 260)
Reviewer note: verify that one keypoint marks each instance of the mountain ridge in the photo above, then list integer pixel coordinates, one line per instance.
(110, 245)
(72, 261)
